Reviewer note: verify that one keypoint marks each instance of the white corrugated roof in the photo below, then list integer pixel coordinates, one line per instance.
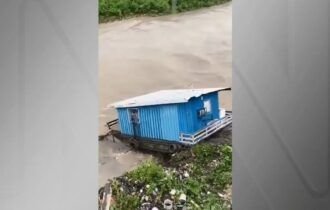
(165, 97)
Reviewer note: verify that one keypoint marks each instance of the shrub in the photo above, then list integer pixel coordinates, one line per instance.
(114, 9)
(117, 9)
(149, 172)
(186, 5)
(209, 172)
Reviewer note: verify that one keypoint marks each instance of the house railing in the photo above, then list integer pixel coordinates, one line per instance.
(207, 131)
(112, 123)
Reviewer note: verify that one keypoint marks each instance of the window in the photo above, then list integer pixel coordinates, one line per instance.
(134, 115)
(201, 112)
(206, 111)
(207, 106)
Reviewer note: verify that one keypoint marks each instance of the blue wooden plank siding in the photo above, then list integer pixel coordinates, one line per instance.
(167, 121)
(124, 121)
(158, 122)
(150, 124)
(186, 122)
(188, 118)
(170, 122)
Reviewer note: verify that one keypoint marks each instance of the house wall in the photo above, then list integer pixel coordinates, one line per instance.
(124, 121)
(168, 121)
(189, 121)
(157, 122)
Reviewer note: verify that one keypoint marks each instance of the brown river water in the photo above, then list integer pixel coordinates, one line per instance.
(141, 55)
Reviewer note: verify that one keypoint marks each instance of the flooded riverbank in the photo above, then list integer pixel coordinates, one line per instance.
(144, 54)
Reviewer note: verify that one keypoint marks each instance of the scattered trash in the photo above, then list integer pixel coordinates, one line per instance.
(175, 183)
(195, 204)
(183, 198)
(146, 206)
(154, 193)
(168, 204)
(145, 198)
(221, 195)
(173, 192)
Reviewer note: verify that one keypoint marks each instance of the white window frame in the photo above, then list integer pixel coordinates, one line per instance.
(207, 106)
(130, 112)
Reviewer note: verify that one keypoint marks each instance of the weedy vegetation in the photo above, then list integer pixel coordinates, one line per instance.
(118, 9)
(202, 174)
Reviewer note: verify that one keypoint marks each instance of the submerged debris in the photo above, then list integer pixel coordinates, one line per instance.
(202, 181)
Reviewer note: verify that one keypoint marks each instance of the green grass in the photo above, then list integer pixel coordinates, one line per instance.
(118, 9)
(209, 172)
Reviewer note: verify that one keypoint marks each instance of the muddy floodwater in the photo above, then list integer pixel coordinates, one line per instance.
(141, 55)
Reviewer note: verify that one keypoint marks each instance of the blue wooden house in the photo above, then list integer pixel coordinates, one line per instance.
(181, 115)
